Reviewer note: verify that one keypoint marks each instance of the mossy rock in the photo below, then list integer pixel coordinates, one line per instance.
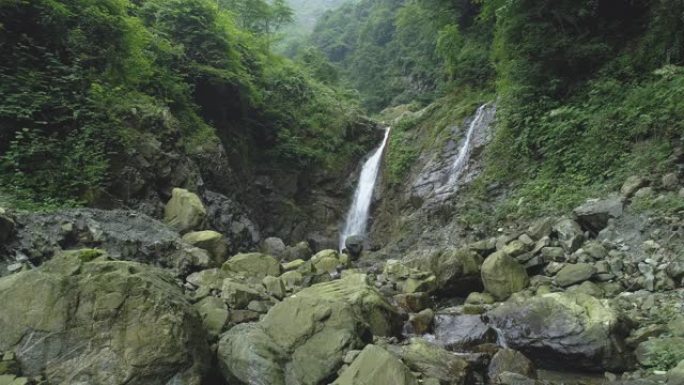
(80, 317)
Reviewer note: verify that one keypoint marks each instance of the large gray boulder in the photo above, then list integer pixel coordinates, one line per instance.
(576, 329)
(593, 215)
(124, 235)
(83, 319)
(303, 339)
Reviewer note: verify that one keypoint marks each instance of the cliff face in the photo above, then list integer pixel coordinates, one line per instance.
(422, 211)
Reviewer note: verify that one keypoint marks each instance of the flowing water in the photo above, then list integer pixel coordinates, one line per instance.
(464, 152)
(357, 217)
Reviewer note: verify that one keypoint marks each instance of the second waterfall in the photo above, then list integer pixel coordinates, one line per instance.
(357, 216)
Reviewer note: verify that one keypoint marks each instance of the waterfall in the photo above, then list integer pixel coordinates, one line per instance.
(464, 152)
(357, 217)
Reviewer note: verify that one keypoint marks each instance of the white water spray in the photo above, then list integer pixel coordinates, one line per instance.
(464, 152)
(357, 217)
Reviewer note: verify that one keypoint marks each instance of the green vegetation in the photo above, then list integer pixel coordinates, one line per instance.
(397, 52)
(84, 80)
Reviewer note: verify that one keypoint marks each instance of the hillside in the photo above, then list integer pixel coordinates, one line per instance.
(364, 192)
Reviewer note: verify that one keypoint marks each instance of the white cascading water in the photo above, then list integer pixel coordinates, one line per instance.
(357, 217)
(464, 152)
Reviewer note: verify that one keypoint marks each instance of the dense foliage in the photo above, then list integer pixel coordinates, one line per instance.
(579, 84)
(398, 51)
(83, 79)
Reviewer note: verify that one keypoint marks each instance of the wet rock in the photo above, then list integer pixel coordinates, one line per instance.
(94, 313)
(255, 265)
(211, 241)
(376, 366)
(434, 362)
(509, 360)
(185, 211)
(503, 276)
(274, 246)
(354, 245)
(594, 214)
(566, 329)
(459, 331)
(574, 273)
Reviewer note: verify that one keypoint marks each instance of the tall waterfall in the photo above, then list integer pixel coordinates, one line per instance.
(357, 217)
(464, 152)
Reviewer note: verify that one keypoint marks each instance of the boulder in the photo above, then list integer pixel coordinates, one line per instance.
(575, 329)
(573, 273)
(375, 366)
(434, 362)
(457, 270)
(676, 375)
(660, 351)
(670, 181)
(509, 360)
(593, 215)
(354, 245)
(304, 339)
(503, 275)
(479, 299)
(274, 286)
(124, 235)
(211, 241)
(7, 227)
(232, 220)
(214, 315)
(301, 251)
(632, 185)
(98, 321)
(413, 302)
(327, 261)
(238, 295)
(254, 265)
(462, 331)
(421, 322)
(184, 212)
(569, 234)
(274, 246)
(541, 228)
